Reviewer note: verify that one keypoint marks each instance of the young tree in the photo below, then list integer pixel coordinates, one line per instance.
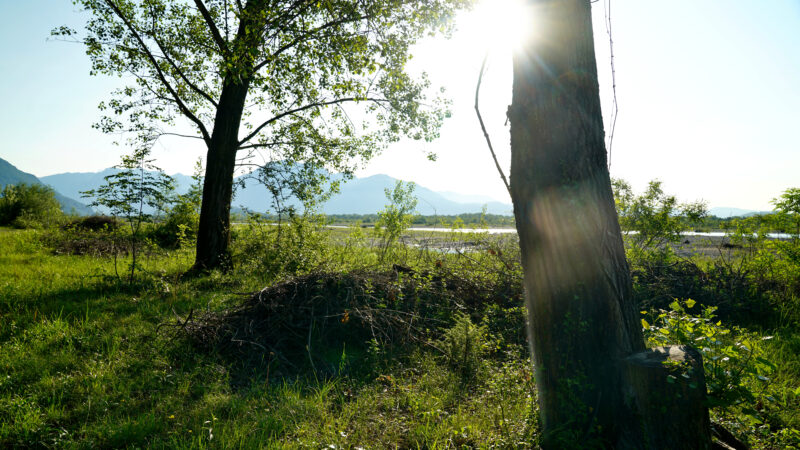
(137, 185)
(788, 208)
(593, 379)
(318, 82)
(656, 217)
(396, 215)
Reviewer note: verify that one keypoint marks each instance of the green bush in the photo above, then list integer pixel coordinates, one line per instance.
(29, 206)
(464, 345)
(276, 250)
(736, 370)
(653, 219)
(396, 217)
(179, 228)
(94, 223)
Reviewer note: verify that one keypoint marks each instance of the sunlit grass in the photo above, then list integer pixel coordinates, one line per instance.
(82, 364)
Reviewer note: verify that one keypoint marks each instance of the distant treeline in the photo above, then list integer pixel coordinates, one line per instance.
(466, 220)
(768, 223)
(709, 223)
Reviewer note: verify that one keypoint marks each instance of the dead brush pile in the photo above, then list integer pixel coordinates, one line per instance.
(301, 317)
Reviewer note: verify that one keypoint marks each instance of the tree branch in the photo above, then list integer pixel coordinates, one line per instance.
(305, 107)
(182, 106)
(185, 79)
(306, 35)
(483, 127)
(223, 46)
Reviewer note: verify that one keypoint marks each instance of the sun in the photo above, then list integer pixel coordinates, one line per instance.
(500, 25)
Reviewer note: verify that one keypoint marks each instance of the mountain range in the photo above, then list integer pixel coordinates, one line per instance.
(9, 174)
(357, 196)
(724, 212)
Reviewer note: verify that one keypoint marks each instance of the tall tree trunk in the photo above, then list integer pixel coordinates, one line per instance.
(586, 338)
(213, 234)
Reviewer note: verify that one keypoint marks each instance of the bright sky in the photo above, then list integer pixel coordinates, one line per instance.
(708, 92)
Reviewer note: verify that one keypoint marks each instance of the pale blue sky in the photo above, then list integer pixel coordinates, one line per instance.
(709, 95)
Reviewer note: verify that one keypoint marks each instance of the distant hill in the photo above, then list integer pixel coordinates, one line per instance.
(366, 196)
(9, 174)
(73, 183)
(726, 212)
(357, 196)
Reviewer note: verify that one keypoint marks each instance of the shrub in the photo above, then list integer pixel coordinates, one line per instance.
(94, 223)
(276, 250)
(464, 346)
(396, 216)
(654, 219)
(29, 206)
(734, 362)
(179, 227)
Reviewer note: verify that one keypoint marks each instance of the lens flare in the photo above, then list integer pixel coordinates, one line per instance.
(502, 25)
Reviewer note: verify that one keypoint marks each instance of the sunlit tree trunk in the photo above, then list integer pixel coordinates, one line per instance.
(582, 320)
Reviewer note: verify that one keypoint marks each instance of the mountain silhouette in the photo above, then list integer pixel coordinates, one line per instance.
(9, 174)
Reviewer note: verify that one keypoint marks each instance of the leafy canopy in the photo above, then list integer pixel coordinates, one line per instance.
(326, 80)
(788, 208)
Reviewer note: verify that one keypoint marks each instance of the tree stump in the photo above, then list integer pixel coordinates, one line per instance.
(668, 391)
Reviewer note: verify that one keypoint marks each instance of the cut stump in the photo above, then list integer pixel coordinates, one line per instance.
(668, 389)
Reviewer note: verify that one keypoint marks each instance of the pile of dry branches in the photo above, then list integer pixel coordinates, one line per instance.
(291, 319)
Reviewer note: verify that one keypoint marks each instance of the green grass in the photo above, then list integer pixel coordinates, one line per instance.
(84, 363)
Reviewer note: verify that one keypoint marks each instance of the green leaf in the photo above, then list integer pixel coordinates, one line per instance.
(645, 325)
(690, 303)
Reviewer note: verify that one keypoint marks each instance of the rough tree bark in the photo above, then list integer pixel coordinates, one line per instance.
(582, 321)
(213, 233)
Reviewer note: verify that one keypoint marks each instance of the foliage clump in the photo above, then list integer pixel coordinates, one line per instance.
(94, 223)
(653, 219)
(29, 206)
(179, 227)
(396, 217)
(465, 345)
(737, 371)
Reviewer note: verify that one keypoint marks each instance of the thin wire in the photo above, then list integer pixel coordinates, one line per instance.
(615, 108)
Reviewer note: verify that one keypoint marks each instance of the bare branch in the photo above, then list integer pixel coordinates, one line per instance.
(483, 127)
(180, 135)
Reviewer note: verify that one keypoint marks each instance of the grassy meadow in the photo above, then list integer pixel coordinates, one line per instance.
(333, 338)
